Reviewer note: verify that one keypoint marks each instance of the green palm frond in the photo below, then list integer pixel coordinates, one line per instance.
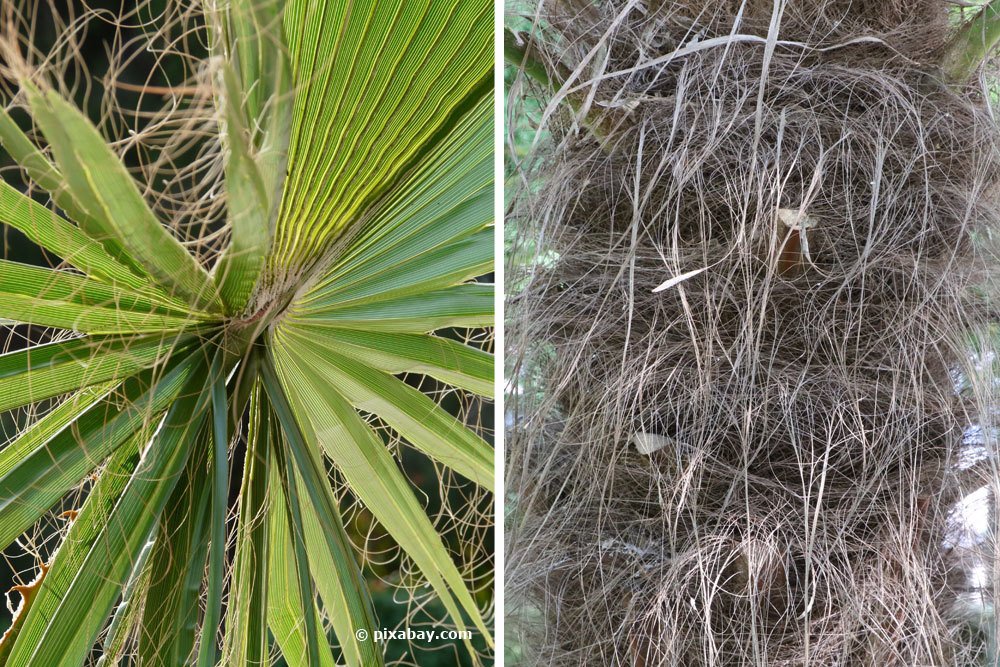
(205, 414)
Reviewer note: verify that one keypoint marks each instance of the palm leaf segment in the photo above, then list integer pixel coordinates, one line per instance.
(359, 172)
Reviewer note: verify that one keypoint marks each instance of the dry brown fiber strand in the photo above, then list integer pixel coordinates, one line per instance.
(828, 196)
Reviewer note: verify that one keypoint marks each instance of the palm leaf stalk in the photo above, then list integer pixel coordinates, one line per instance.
(747, 416)
(355, 152)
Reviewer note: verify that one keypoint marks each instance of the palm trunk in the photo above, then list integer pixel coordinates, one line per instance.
(754, 465)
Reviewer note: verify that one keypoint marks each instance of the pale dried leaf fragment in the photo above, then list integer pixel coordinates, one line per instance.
(647, 443)
(795, 218)
(677, 280)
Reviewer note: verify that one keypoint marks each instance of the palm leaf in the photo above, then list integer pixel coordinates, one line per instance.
(463, 306)
(169, 629)
(292, 617)
(355, 149)
(44, 297)
(128, 610)
(36, 472)
(219, 509)
(51, 423)
(61, 237)
(313, 512)
(447, 360)
(250, 204)
(373, 475)
(246, 622)
(388, 76)
(23, 646)
(30, 375)
(104, 543)
(408, 411)
(47, 176)
(115, 209)
(258, 120)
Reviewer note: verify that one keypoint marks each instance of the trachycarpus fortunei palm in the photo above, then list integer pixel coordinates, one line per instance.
(356, 158)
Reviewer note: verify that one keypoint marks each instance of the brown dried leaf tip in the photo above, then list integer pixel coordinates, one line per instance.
(28, 592)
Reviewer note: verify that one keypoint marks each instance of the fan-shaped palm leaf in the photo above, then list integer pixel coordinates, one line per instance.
(358, 173)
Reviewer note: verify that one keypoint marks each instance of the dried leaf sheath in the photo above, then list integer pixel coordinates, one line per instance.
(795, 403)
